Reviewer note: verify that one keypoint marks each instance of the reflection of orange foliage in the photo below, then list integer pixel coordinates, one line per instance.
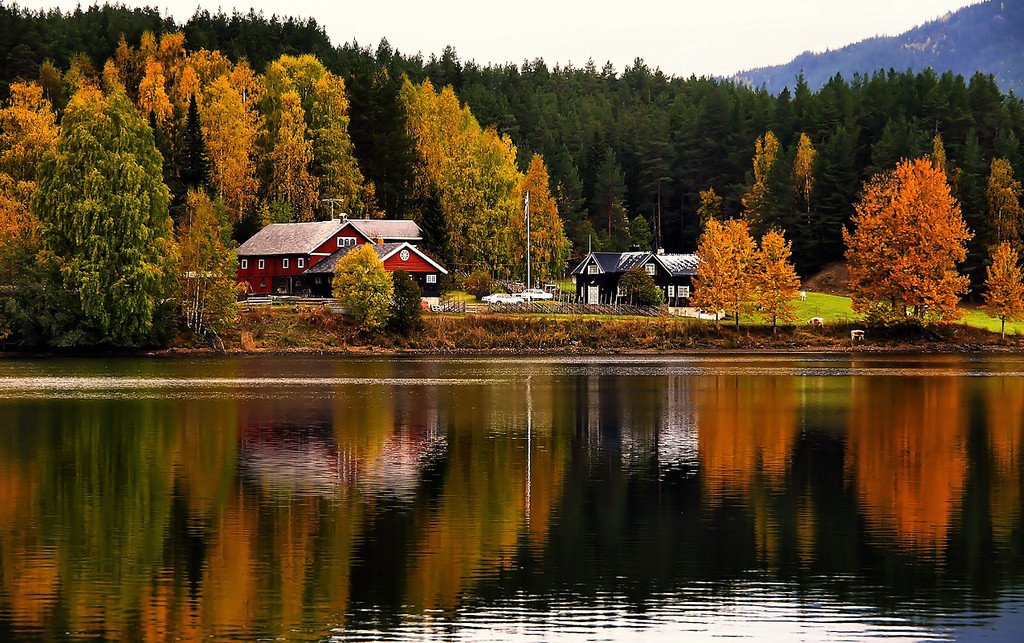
(1004, 397)
(229, 584)
(746, 427)
(907, 453)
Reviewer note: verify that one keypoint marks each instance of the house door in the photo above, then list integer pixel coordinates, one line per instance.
(593, 294)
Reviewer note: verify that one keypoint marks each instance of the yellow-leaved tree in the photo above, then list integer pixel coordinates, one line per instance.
(803, 172)
(775, 280)
(549, 247)
(206, 274)
(1004, 209)
(153, 97)
(230, 126)
(907, 240)
(710, 207)
(756, 200)
(1004, 286)
(290, 180)
(724, 279)
(363, 287)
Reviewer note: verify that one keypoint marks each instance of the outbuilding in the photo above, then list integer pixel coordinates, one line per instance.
(395, 256)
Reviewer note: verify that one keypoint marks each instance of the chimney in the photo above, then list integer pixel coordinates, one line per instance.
(378, 241)
(661, 251)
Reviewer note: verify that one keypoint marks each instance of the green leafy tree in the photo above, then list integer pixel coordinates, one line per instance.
(640, 234)
(363, 287)
(639, 288)
(406, 309)
(107, 246)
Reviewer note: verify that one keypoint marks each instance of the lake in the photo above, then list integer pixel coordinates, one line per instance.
(793, 497)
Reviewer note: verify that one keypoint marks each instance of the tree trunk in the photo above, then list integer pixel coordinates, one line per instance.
(1002, 327)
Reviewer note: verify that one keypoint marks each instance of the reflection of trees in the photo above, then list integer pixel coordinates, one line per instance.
(1004, 411)
(907, 455)
(747, 427)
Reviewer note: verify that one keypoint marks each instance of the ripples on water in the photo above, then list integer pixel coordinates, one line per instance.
(794, 498)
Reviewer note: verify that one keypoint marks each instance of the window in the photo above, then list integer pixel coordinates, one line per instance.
(346, 241)
(302, 262)
(671, 291)
(284, 263)
(620, 292)
(592, 269)
(260, 265)
(245, 264)
(431, 279)
(684, 292)
(649, 268)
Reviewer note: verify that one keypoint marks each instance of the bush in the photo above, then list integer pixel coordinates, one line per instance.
(363, 287)
(405, 305)
(479, 284)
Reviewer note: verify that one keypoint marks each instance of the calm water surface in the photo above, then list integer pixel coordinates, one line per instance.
(791, 498)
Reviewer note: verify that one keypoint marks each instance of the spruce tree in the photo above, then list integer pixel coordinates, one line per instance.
(195, 165)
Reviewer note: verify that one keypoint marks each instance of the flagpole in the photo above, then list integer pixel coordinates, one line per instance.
(527, 212)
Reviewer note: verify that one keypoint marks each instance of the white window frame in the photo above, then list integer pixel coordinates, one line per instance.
(431, 279)
(261, 264)
(346, 241)
(245, 264)
(649, 269)
(301, 262)
(592, 269)
(620, 291)
(671, 291)
(684, 292)
(284, 263)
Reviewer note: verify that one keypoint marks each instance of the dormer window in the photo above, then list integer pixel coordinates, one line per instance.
(592, 269)
(346, 241)
(649, 268)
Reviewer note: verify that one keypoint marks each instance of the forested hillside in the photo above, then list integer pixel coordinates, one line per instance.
(628, 153)
(987, 37)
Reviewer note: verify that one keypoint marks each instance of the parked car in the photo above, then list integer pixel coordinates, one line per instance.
(502, 298)
(535, 294)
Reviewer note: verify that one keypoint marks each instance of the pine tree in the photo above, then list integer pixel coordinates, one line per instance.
(832, 198)
(195, 164)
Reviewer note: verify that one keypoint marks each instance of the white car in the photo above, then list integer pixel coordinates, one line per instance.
(502, 298)
(535, 294)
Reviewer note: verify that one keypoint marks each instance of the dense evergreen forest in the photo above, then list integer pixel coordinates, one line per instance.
(617, 144)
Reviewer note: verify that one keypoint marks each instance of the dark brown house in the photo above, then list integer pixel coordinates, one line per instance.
(597, 276)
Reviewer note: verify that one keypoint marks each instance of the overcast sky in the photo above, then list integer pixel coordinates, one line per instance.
(681, 37)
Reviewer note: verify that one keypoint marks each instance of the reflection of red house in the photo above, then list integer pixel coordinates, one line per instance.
(274, 259)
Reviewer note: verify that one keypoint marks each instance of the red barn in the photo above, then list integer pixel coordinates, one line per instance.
(395, 256)
(274, 259)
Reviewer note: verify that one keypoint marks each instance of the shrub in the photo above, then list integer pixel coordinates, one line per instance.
(479, 284)
(640, 288)
(405, 305)
(363, 287)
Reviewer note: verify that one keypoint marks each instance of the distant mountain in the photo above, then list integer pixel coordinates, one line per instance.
(986, 37)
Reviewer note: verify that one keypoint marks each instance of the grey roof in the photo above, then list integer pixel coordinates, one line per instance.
(289, 238)
(330, 263)
(679, 265)
(401, 229)
(620, 262)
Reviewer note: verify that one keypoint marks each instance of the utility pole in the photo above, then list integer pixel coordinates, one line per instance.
(526, 213)
(332, 201)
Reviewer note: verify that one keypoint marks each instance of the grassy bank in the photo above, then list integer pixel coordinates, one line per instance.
(283, 330)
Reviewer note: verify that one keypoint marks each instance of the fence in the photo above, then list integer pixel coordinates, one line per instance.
(576, 308)
(260, 301)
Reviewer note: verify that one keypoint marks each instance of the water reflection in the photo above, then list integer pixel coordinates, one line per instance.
(529, 498)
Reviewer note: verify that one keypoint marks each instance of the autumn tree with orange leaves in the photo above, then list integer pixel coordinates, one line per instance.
(907, 239)
(775, 280)
(724, 274)
(1004, 286)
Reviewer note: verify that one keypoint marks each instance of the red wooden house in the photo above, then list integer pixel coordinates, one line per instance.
(276, 259)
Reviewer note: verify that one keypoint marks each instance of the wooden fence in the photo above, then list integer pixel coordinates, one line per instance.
(576, 308)
(260, 301)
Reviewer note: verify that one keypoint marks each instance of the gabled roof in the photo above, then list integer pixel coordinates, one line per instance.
(390, 229)
(384, 251)
(678, 265)
(620, 262)
(614, 262)
(289, 238)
